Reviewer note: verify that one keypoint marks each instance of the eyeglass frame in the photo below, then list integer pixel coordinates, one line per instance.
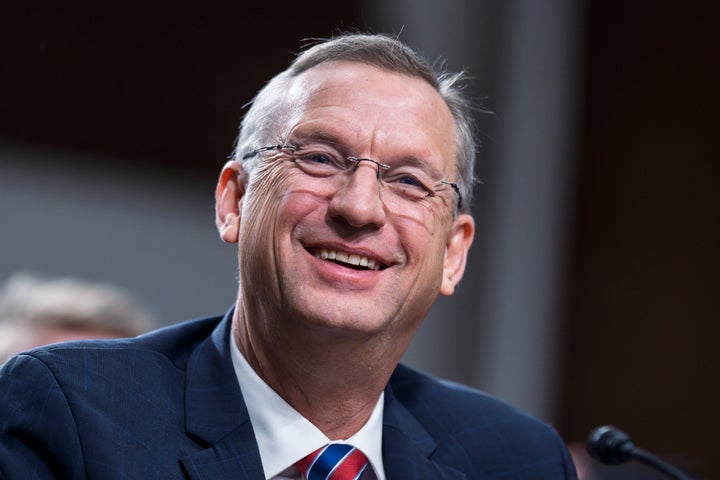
(356, 160)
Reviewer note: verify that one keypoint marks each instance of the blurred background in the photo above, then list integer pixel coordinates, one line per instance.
(592, 293)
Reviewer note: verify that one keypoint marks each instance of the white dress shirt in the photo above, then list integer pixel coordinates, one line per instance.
(284, 436)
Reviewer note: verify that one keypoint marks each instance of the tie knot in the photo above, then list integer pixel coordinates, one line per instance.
(336, 461)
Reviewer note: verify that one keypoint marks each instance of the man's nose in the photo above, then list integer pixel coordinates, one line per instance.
(358, 200)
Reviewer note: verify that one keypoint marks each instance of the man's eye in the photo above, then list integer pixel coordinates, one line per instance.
(408, 181)
(320, 158)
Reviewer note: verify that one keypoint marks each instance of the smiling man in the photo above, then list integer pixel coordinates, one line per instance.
(348, 198)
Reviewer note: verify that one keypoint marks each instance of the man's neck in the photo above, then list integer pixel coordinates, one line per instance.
(332, 379)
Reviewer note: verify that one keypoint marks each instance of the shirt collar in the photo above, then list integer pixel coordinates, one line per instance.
(284, 436)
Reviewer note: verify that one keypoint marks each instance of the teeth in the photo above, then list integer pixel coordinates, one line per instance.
(350, 258)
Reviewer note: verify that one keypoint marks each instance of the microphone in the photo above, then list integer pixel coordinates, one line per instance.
(612, 446)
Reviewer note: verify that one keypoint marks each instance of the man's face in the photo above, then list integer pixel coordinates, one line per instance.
(291, 221)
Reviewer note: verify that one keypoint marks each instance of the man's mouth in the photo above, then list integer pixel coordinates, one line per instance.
(351, 260)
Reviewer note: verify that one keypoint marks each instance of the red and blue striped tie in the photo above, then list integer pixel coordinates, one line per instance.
(336, 461)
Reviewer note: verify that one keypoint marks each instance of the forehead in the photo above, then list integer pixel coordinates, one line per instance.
(374, 111)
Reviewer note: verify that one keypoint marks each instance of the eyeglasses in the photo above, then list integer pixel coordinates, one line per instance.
(405, 184)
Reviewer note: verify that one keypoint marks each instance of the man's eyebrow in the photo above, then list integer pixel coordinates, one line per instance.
(414, 161)
(317, 135)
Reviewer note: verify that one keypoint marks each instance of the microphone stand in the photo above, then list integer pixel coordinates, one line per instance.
(612, 446)
(651, 460)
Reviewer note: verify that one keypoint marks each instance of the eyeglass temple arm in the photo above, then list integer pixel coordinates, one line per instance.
(457, 190)
(266, 149)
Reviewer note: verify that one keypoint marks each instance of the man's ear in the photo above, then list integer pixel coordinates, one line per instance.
(456, 251)
(229, 192)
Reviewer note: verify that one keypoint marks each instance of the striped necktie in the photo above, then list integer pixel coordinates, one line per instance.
(335, 461)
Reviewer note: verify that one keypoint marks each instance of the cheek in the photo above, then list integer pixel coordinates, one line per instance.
(275, 204)
(258, 223)
(424, 235)
(432, 253)
(300, 210)
(425, 247)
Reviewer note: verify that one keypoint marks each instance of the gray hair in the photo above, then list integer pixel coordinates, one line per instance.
(32, 300)
(269, 115)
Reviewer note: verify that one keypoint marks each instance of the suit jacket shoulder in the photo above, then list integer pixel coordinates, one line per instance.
(162, 405)
(476, 433)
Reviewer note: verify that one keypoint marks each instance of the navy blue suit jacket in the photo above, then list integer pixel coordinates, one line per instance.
(167, 405)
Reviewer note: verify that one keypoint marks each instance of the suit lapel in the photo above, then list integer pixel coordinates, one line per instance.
(234, 457)
(216, 414)
(217, 417)
(407, 446)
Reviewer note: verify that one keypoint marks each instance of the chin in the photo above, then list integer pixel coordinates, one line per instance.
(344, 319)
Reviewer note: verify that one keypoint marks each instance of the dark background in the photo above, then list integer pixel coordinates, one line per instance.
(642, 343)
(163, 86)
(159, 83)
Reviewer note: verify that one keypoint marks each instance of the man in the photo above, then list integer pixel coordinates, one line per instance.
(348, 198)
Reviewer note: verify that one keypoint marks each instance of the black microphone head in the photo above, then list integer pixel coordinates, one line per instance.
(610, 445)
